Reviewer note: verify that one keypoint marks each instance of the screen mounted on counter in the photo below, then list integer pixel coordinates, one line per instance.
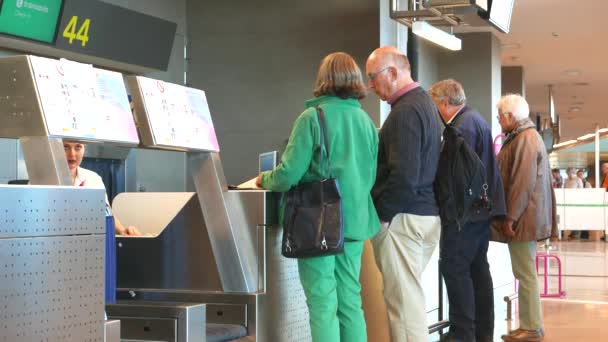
(82, 102)
(178, 116)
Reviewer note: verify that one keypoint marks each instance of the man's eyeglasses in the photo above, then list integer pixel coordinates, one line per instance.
(502, 115)
(371, 77)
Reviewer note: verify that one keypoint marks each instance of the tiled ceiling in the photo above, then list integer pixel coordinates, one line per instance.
(562, 43)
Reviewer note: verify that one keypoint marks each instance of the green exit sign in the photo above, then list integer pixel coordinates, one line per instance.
(32, 19)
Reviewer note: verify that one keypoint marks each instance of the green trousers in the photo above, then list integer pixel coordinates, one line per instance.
(523, 263)
(333, 294)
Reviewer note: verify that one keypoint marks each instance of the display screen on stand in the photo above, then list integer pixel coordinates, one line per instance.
(179, 116)
(82, 102)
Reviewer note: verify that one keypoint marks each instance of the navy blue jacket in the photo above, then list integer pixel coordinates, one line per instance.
(408, 154)
(478, 136)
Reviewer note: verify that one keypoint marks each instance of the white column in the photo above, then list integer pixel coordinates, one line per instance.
(597, 156)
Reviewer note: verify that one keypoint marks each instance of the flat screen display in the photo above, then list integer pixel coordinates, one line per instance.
(32, 19)
(179, 116)
(500, 14)
(268, 161)
(82, 102)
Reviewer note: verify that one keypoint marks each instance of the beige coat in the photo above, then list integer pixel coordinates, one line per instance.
(526, 175)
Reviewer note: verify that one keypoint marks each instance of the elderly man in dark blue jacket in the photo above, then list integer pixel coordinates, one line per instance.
(463, 254)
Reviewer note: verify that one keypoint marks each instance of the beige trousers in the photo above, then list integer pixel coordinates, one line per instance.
(402, 252)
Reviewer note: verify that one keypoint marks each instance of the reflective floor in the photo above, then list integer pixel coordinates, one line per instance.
(582, 314)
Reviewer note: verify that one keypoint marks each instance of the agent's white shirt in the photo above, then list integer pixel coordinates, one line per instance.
(90, 179)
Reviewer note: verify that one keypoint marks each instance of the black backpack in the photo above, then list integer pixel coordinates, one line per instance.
(460, 184)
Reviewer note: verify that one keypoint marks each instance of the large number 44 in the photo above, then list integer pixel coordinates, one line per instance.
(82, 34)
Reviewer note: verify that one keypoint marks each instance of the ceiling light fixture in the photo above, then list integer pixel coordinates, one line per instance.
(510, 46)
(437, 36)
(574, 109)
(586, 136)
(572, 72)
(565, 143)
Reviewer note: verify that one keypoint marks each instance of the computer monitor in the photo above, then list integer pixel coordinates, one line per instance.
(268, 161)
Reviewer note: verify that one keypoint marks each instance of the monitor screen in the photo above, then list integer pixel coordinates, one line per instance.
(179, 116)
(500, 14)
(481, 4)
(82, 102)
(32, 19)
(268, 161)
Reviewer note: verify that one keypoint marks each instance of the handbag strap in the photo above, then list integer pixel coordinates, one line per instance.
(324, 139)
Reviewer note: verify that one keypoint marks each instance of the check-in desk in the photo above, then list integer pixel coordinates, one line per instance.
(52, 235)
(214, 246)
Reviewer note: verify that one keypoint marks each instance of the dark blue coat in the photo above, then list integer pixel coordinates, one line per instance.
(478, 136)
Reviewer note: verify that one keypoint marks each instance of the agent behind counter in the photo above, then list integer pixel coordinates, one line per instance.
(74, 152)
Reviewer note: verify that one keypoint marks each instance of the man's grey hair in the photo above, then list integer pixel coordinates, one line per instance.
(514, 104)
(450, 90)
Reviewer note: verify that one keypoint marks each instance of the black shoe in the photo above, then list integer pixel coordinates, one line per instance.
(485, 339)
(451, 338)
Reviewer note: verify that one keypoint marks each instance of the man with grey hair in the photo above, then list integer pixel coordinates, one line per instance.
(573, 181)
(403, 194)
(530, 209)
(463, 258)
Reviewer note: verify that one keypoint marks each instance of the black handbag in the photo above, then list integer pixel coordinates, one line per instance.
(313, 223)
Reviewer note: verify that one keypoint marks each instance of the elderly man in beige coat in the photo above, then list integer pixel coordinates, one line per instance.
(530, 202)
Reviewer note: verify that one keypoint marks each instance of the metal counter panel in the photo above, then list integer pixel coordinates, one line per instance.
(51, 288)
(20, 111)
(52, 263)
(282, 312)
(27, 211)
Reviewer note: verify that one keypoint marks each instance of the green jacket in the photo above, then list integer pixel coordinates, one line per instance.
(353, 152)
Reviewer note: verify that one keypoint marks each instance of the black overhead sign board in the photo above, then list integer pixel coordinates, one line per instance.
(88, 31)
(96, 28)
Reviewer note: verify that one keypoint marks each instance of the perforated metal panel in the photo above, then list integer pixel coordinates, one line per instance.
(50, 211)
(283, 310)
(52, 285)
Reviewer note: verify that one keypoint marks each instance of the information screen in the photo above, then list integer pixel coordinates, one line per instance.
(33, 19)
(179, 116)
(79, 101)
(500, 14)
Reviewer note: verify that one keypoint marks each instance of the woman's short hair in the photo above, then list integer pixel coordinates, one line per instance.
(449, 90)
(514, 104)
(339, 76)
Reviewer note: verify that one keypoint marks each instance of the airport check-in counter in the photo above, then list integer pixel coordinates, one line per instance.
(52, 235)
(215, 246)
(208, 266)
(179, 263)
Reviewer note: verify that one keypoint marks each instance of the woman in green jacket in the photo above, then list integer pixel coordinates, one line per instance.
(331, 283)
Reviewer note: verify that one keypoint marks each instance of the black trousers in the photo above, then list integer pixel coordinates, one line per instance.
(466, 272)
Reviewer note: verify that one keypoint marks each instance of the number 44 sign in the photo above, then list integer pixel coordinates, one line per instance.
(82, 34)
